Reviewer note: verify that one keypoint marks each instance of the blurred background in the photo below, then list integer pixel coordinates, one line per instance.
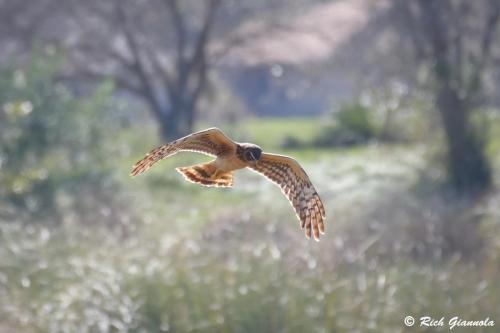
(391, 107)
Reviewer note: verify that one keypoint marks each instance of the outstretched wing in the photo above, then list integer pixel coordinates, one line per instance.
(295, 184)
(210, 142)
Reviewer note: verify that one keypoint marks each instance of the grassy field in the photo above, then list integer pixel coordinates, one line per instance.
(183, 258)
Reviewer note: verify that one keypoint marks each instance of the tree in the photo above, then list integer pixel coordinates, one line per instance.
(456, 40)
(169, 74)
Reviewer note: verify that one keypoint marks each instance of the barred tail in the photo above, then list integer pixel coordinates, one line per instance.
(207, 174)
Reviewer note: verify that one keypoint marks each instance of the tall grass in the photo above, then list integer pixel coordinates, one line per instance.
(236, 276)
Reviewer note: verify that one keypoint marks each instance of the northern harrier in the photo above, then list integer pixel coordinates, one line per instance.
(230, 156)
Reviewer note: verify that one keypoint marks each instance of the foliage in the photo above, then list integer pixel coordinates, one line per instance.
(52, 145)
(356, 118)
(352, 124)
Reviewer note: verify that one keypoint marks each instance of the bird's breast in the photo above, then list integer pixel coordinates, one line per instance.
(229, 163)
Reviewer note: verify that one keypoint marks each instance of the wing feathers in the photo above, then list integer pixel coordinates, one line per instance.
(211, 142)
(296, 186)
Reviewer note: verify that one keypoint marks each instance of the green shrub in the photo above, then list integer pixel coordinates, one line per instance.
(52, 144)
(352, 124)
(356, 118)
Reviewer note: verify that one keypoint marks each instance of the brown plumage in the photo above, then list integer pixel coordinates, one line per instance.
(230, 156)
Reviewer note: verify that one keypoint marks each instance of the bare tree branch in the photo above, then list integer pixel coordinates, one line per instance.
(148, 87)
(479, 61)
(489, 31)
(179, 27)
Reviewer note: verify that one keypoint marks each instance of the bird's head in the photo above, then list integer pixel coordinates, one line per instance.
(250, 153)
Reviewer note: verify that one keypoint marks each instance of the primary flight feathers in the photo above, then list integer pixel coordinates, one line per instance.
(230, 156)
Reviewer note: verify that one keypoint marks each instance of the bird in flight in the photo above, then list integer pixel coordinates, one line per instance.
(230, 156)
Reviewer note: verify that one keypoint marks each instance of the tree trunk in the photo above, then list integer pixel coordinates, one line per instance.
(176, 123)
(467, 165)
(169, 129)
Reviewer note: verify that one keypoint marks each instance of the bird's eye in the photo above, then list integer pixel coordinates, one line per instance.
(249, 156)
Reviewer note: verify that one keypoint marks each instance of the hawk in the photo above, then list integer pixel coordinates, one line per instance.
(230, 156)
